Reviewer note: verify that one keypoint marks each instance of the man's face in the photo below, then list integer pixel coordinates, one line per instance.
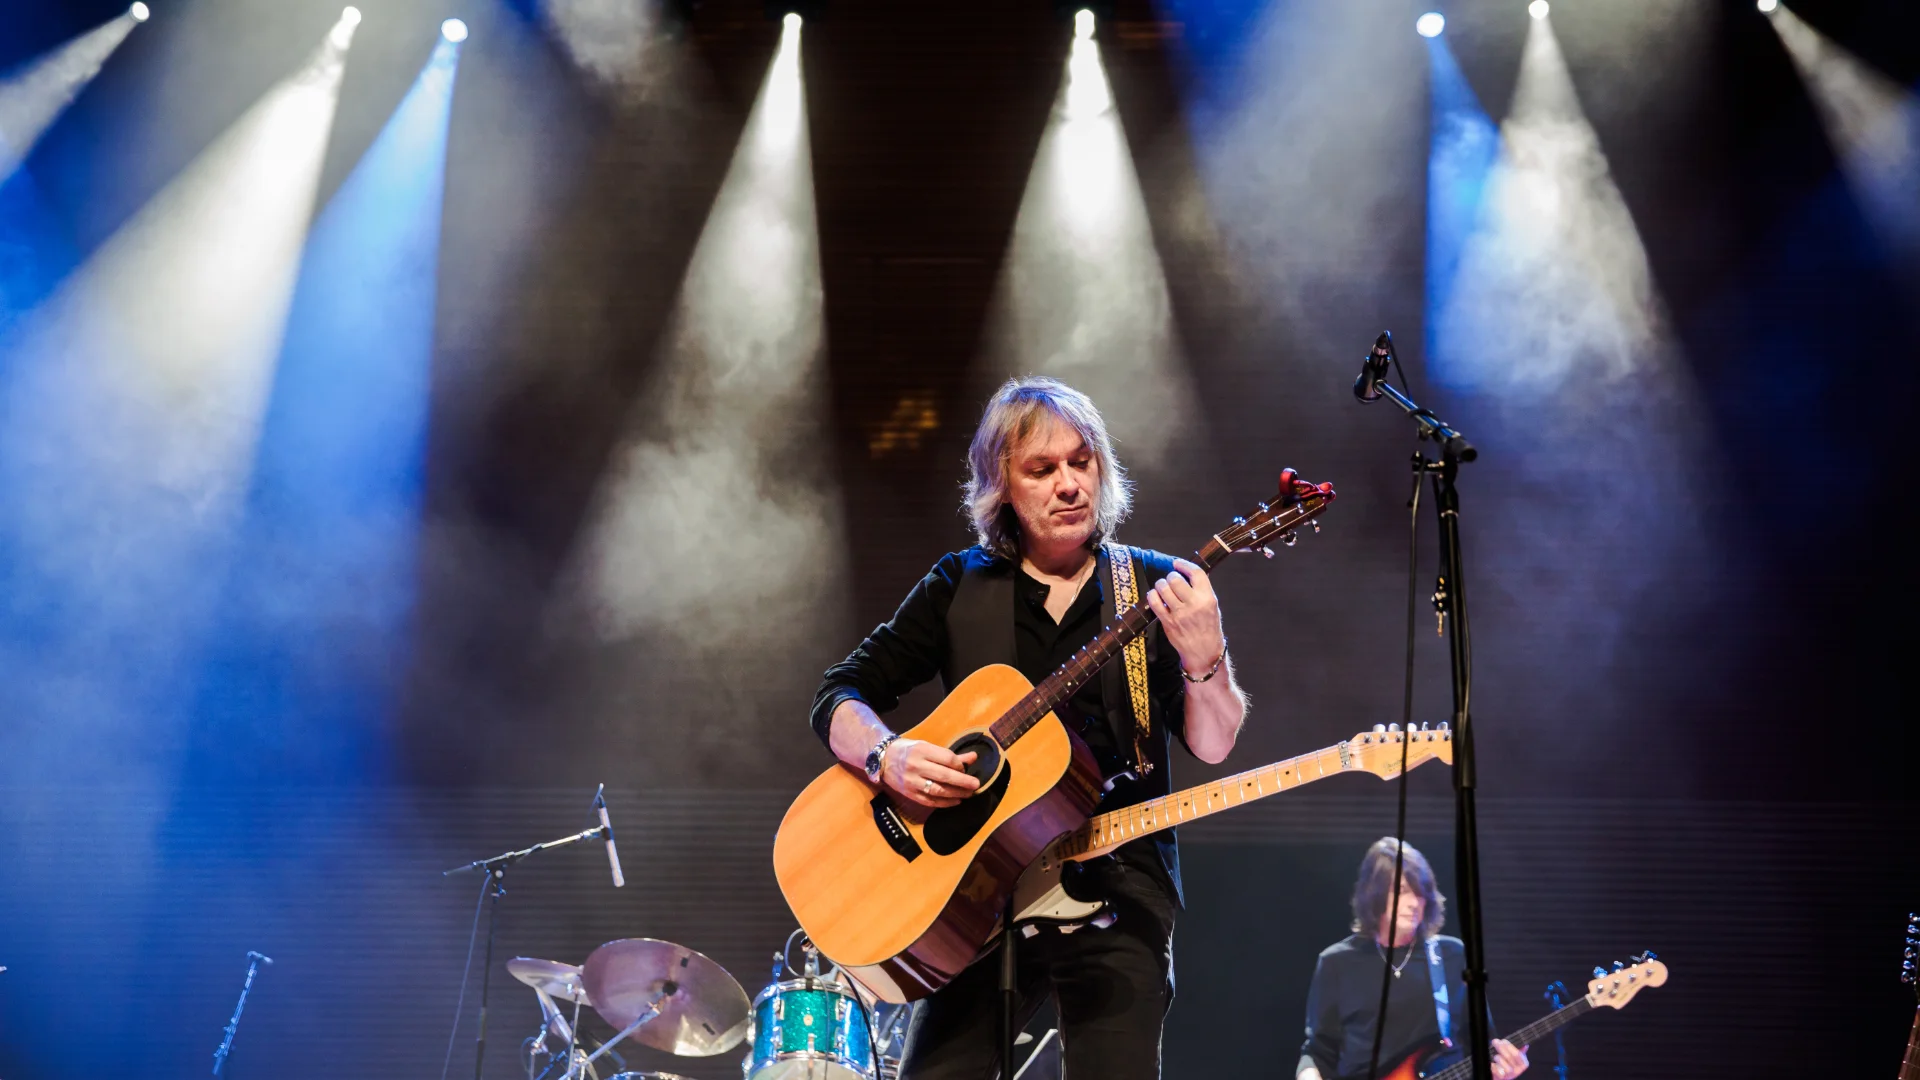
(1052, 478)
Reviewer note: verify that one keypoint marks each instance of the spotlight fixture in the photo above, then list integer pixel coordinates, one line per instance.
(138, 12)
(1431, 24)
(1537, 9)
(1083, 24)
(342, 35)
(791, 21)
(350, 17)
(1767, 7)
(454, 30)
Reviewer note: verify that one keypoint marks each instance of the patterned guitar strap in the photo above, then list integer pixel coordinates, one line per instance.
(1126, 594)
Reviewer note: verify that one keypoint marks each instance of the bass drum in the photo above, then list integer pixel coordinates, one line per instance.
(809, 1029)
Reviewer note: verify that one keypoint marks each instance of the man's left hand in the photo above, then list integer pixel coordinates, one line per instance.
(1189, 614)
(1509, 1060)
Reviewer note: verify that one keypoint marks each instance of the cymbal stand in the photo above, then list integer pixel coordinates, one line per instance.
(652, 1011)
(496, 870)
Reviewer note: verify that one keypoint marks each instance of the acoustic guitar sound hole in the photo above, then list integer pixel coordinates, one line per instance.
(950, 828)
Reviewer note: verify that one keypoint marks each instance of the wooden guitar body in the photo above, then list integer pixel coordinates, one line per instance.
(903, 897)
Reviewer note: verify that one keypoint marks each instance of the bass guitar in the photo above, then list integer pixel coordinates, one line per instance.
(1041, 895)
(903, 898)
(1608, 989)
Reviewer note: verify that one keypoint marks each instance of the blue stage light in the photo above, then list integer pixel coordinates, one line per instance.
(1431, 24)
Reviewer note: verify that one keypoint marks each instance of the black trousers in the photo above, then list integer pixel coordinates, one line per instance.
(1110, 986)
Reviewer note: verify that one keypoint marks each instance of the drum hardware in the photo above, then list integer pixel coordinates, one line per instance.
(254, 960)
(814, 1027)
(494, 888)
(698, 1009)
(1034, 1055)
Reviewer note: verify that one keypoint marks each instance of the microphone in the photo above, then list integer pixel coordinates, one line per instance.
(1374, 368)
(606, 827)
(251, 955)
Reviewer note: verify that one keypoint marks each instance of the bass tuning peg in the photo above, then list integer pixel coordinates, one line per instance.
(1599, 973)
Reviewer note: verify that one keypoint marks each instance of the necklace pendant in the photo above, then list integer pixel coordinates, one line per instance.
(1396, 973)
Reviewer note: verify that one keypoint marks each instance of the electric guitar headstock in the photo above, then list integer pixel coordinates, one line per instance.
(1277, 521)
(1615, 988)
(1378, 751)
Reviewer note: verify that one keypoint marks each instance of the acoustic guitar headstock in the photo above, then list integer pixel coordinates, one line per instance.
(1615, 988)
(1278, 520)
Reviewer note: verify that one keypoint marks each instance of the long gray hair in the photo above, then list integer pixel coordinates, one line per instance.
(1013, 413)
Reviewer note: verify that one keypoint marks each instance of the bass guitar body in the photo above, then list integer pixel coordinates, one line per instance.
(904, 898)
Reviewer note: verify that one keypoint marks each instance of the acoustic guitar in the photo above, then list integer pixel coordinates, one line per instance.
(1607, 989)
(1910, 1065)
(1042, 896)
(903, 898)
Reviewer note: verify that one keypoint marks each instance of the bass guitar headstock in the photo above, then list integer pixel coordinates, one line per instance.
(1617, 987)
(1378, 751)
(1277, 521)
(1912, 957)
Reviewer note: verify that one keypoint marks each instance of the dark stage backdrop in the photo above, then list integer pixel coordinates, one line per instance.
(648, 521)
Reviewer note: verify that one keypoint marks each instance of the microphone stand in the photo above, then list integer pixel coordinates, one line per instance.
(233, 1025)
(496, 871)
(1450, 598)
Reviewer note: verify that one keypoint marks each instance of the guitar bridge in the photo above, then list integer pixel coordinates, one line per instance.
(893, 830)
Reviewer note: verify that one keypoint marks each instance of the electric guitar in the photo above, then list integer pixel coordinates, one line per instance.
(1607, 989)
(902, 897)
(1042, 896)
(1910, 1065)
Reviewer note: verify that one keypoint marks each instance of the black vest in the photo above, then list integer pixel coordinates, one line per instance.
(980, 632)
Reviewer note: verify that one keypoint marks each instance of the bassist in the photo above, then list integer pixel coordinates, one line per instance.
(1045, 494)
(1343, 1004)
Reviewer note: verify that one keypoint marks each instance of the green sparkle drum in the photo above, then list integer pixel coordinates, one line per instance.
(809, 1029)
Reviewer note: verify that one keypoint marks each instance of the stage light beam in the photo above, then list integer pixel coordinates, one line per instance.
(139, 12)
(135, 395)
(1873, 124)
(1082, 293)
(34, 96)
(1767, 7)
(454, 30)
(1538, 9)
(1083, 25)
(1430, 25)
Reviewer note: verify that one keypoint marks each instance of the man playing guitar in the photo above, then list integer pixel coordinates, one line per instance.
(1343, 1004)
(1045, 494)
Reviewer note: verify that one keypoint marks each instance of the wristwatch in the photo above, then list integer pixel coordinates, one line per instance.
(878, 755)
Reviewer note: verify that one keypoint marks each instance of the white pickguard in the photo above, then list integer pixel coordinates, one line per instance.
(1038, 895)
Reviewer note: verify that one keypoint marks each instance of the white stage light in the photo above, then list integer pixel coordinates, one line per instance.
(342, 35)
(792, 21)
(1431, 24)
(454, 30)
(350, 16)
(1767, 6)
(139, 12)
(1083, 24)
(1537, 9)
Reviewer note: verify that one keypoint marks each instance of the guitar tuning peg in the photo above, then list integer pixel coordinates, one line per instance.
(1239, 521)
(1379, 727)
(1617, 965)
(1267, 551)
(1599, 973)
(1316, 526)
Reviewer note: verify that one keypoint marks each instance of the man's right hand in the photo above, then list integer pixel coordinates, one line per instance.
(927, 773)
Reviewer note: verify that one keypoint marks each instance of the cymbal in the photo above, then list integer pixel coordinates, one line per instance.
(560, 980)
(704, 1011)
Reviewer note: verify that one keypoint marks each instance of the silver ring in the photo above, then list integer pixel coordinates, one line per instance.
(926, 786)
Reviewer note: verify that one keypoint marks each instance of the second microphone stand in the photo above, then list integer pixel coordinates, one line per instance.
(1450, 599)
(496, 870)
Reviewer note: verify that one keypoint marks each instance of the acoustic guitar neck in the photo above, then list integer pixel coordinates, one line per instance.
(1059, 687)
